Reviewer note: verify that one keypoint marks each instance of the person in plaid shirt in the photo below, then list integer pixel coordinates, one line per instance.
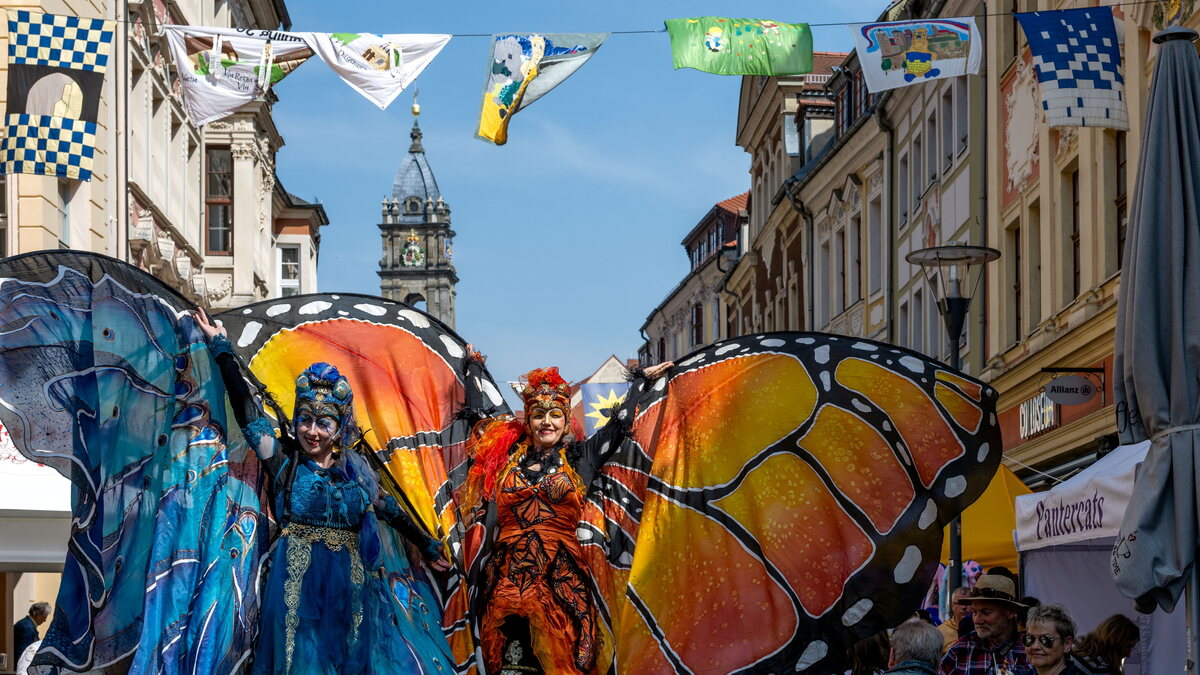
(994, 647)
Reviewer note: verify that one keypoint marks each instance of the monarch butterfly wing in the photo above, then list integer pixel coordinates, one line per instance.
(783, 496)
(405, 368)
(106, 379)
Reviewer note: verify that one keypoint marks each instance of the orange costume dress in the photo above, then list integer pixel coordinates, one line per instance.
(534, 591)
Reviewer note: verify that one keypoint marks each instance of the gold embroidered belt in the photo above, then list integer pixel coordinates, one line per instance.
(333, 538)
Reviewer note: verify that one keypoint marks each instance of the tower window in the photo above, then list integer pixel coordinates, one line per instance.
(412, 205)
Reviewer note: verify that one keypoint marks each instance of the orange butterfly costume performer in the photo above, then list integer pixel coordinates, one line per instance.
(535, 608)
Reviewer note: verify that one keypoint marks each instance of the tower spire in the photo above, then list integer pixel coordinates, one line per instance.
(416, 130)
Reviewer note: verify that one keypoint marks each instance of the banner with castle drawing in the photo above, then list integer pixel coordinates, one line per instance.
(223, 69)
(376, 66)
(900, 53)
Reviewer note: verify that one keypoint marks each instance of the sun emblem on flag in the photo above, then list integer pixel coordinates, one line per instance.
(602, 407)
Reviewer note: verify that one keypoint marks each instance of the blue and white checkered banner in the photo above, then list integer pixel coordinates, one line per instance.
(1078, 61)
(56, 68)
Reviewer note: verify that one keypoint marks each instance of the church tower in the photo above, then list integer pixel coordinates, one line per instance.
(417, 239)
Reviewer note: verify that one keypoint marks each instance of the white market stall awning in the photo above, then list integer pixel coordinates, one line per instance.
(1088, 506)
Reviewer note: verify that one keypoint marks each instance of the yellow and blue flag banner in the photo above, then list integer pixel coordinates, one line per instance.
(900, 53)
(56, 68)
(524, 67)
(598, 401)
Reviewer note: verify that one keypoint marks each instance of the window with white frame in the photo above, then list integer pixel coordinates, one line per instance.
(875, 244)
(853, 261)
(289, 271)
(902, 324)
(918, 178)
(962, 112)
(821, 293)
(839, 270)
(931, 149)
(918, 321)
(947, 119)
(64, 212)
(902, 174)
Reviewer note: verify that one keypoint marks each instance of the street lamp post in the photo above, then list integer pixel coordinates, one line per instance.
(948, 270)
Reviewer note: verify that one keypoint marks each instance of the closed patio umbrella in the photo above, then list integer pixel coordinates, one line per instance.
(1157, 358)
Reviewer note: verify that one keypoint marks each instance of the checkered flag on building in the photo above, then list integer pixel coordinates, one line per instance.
(1078, 61)
(56, 70)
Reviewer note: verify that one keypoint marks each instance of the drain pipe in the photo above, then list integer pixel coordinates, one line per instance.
(885, 125)
(789, 186)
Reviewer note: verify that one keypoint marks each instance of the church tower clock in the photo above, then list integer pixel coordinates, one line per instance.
(417, 239)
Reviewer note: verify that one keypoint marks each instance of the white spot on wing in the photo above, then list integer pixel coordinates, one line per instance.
(315, 307)
(955, 486)
(983, 452)
(815, 651)
(727, 348)
(492, 393)
(249, 333)
(773, 342)
(418, 319)
(695, 359)
(451, 346)
(912, 363)
(276, 310)
(860, 406)
(865, 346)
(907, 567)
(825, 380)
(368, 308)
(583, 534)
(928, 515)
(857, 611)
(660, 384)
(805, 341)
(822, 354)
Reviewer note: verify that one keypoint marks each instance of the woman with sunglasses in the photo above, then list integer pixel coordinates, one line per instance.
(1049, 639)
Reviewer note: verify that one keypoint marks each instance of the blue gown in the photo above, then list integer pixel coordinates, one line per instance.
(340, 594)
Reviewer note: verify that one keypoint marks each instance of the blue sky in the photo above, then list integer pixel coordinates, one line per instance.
(568, 236)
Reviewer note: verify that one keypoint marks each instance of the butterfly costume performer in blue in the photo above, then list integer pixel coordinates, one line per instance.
(202, 540)
(325, 607)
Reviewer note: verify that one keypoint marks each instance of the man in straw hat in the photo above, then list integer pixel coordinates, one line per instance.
(994, 647)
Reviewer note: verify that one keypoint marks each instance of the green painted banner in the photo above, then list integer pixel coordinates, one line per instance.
(725, 46)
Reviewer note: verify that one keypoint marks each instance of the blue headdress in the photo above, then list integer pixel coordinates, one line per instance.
(323, 391)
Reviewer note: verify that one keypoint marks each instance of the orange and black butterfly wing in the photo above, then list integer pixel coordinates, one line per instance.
(783, 496)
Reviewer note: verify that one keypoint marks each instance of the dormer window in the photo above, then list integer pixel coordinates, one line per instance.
(412, 205)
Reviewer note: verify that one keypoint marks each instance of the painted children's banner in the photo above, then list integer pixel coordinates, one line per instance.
(900, 53)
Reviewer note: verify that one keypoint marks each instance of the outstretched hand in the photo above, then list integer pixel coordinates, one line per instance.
(474, 355)
(207, 326)
(655, 372)
(441, 564)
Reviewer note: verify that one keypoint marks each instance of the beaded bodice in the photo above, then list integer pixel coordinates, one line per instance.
(325, 498)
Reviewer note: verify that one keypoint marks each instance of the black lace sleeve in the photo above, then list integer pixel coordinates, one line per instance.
(255, 426)
(597, 450)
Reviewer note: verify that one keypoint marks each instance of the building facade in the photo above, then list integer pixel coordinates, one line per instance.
(694, 312)
(1057, 210)
(199, 208)
(899, 172)
(194, 207)
(418, 244)
(785, 124)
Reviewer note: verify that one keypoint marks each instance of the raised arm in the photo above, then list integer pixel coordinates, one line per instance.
(256, 427)
(598, 449)
(474, 405)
